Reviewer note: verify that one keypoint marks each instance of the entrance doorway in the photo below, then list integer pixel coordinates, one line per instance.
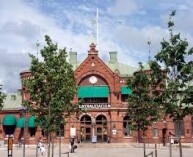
(101, 128)
(164, 136)
(85, 129)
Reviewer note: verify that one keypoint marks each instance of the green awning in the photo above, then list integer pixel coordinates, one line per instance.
(126, 90)
(20, 122)
(31, 122)
(9, 120)
(93, 92)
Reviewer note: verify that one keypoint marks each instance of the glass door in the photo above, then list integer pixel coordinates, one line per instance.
(101, 128)
(85, 130)
(85, 134)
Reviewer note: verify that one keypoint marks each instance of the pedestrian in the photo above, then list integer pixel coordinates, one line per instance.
(72, 145)
(41, 147)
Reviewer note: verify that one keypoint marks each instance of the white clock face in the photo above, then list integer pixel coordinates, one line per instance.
(93, 79)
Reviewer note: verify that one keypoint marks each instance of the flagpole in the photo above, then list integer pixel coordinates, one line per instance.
(97, 31)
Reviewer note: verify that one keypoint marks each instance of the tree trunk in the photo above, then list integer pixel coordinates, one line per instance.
(37, 148)
(144, 145)
(49, 135)
(138, 136)
(144, 148)
(179, 140)
(180, 147)
(60, 143)
(52, 147)
(49, 144)
(170, 145)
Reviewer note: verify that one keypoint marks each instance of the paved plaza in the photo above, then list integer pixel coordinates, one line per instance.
(110, 150)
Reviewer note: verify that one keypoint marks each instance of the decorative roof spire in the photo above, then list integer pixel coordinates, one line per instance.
(93, 49)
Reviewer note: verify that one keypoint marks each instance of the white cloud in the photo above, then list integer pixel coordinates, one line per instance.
(123, 7)
(22, 24)
(19, 34)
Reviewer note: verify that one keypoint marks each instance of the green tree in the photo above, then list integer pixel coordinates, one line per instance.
(52, 88)
(143, 105)
(174, 55)
(2, 97)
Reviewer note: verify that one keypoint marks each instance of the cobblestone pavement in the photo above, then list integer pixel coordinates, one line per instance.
(110, 150)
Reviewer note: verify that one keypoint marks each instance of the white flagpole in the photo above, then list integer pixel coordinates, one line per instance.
(97, 31)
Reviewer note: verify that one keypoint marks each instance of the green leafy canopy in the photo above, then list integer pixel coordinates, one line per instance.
(2, 97)
(52, 87)
(142, 105)
(174, 55)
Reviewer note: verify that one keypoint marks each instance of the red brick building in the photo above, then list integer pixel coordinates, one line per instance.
(102, 86)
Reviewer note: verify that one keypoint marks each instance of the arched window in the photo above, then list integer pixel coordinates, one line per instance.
(127, 126)
(101, 119)
(85, 120)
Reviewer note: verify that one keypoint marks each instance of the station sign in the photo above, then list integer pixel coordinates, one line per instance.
(95, 105)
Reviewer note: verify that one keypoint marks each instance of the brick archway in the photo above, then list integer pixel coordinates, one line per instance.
(95, 73)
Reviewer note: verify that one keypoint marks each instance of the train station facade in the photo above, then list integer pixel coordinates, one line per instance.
(103, 87)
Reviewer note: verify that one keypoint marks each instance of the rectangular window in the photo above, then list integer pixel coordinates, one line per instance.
(127, 130)
(155, 132)
(95, 100)
(179, 128)
(124, 97)
(32, 131)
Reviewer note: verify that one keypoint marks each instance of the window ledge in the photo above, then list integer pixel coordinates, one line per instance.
(61, 137)
(6, 138)
(127, 137)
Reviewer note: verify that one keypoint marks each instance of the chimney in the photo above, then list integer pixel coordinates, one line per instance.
(113, 56)
(73, 57)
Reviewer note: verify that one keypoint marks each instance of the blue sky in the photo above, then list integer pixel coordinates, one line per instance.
(124, 26)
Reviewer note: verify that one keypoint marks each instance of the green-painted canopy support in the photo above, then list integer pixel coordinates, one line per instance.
(31, 122)
(126, 90)
(9, 120)
(20, 122)
(93, 92)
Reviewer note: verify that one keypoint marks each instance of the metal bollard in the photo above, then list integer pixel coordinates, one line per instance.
(155, 150)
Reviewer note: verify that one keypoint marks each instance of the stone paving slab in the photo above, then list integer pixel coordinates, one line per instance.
(108, 150)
